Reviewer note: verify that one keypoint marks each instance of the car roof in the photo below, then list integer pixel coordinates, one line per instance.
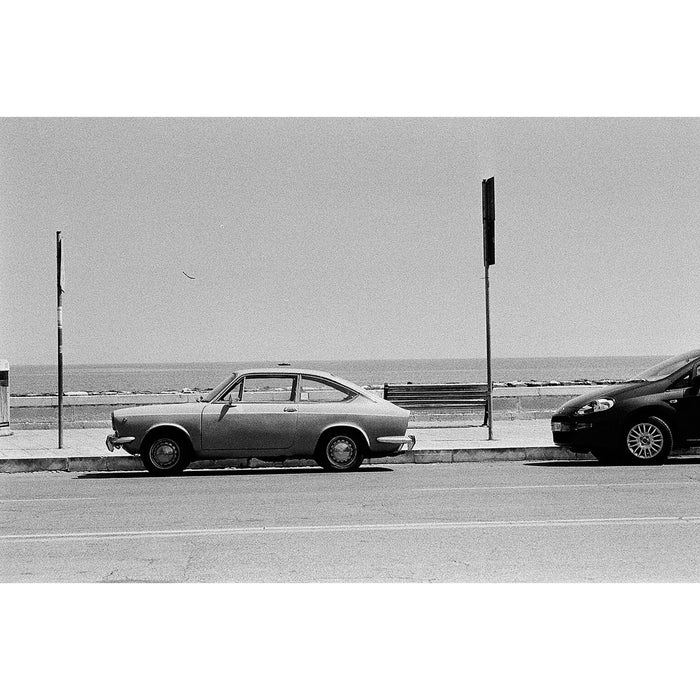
(286, 370)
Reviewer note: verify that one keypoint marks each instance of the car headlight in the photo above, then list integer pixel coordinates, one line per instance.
(595, 406)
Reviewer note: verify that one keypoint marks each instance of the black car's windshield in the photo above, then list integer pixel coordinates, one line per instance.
(218, 389)
(667, 367)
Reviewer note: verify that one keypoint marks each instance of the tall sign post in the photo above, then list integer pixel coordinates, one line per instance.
(60, 282)
(488, 205)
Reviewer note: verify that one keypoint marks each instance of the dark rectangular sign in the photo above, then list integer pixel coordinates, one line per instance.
(488, 205)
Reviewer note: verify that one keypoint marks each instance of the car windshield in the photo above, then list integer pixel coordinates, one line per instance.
(218, 389)
(667, 367)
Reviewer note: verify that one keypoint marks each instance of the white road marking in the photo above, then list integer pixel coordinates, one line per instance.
(288, 529)
(558, 486)
(41, 500)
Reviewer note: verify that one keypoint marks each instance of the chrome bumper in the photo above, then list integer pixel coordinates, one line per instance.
(407, 441)
(113, 441)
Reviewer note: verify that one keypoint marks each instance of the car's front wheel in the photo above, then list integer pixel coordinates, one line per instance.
(647, 441)
(165, 454)
(340, 451)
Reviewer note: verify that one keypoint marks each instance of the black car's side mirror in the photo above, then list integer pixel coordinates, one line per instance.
(695, 376)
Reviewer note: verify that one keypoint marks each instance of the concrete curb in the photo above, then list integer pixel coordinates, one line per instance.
(128, 463)
(109, 463)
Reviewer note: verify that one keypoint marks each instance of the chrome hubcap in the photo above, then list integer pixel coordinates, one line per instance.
(164, 453)
(645, 440)
(341, 451)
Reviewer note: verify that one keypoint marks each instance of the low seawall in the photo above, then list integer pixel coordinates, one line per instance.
(94, 411)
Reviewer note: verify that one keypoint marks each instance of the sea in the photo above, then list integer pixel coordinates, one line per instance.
(199, 376)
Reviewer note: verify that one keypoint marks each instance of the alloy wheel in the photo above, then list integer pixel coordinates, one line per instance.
(645, 441)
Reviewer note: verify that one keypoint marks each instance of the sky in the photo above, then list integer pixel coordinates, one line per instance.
(347, 238)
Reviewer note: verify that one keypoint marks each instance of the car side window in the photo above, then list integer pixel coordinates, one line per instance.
(268, 389)
(318, 391)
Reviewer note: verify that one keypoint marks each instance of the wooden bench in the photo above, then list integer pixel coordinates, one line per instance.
(427, 396)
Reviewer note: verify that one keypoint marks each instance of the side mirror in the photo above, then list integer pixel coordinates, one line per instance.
(695, 376)
(230, 399)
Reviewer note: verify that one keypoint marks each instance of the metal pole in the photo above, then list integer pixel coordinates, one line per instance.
(488, 205)
(489, 382)
(59, 319)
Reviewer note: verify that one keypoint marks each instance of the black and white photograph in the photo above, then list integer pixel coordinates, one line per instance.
(417, 370)
(397, 370)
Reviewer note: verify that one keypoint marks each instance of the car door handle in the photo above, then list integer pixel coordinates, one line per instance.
(289, 409)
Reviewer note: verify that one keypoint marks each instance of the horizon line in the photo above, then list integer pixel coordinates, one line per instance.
(295, 362)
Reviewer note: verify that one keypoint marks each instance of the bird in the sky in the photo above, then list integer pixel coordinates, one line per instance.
(189, 277)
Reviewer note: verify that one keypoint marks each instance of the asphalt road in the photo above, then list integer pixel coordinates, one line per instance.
(493, 522)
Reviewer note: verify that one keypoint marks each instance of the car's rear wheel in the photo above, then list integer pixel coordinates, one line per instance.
(165, 454)
(340, 451)
(647, 440)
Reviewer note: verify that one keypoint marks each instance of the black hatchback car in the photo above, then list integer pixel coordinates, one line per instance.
(639, 421)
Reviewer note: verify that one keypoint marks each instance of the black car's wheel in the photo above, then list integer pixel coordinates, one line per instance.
(606, 456)
(647, 441)
(165, 454)
(340, 451)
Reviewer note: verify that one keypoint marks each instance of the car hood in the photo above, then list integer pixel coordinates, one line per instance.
(157, 409)
(610, 391)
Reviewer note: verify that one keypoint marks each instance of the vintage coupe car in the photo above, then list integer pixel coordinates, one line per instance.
(271, 414)
(639, 421)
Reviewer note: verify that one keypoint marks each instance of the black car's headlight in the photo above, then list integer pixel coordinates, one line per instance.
(595, 406)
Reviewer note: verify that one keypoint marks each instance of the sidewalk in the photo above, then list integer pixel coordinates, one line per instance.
(85, 450)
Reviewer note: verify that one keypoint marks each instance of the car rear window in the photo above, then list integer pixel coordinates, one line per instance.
(317, 391)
